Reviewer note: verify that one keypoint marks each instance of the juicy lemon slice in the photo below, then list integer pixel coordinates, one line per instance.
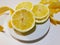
(27, 5)
(48, 1)
(23, 20)
(40, 11)
(42, 21)
(4, 9)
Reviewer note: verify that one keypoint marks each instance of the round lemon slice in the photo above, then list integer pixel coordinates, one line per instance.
(4, 9)
(27, 5)
(40, 11)
(23, 20)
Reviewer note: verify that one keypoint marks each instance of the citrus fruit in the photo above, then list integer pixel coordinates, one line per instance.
(23, 20)
(48, 1)
(42, 20)
(9, 24)
(27, 5)
(40, 12)
(4, 9)
(54, 8)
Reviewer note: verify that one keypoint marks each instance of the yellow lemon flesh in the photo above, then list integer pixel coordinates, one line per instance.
(27, 5)
(23, 20)
(40, 12)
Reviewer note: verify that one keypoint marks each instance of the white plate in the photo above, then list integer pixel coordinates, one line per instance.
(41, 30)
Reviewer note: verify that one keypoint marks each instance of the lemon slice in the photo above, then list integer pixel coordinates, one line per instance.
(48, 1)
(27, 5)
(54, 8)
(23, 20)
(42, 21)
(40, 11)
(4, 9)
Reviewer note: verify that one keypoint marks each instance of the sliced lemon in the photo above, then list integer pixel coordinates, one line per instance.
(9, 24)
(55, 5)
(40, 11)
(23, 20)
(4, 9)
(42, 21)
(54, 8)
(27, 5)
(48, 1)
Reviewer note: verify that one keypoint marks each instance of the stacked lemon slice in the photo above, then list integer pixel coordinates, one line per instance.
(41, 13)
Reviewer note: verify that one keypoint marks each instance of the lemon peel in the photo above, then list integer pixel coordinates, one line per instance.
(3, 9)
(54, 8)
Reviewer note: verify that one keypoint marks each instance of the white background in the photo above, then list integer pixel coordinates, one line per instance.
(52, 38)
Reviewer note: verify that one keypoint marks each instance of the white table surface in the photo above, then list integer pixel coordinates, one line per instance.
(52, 38)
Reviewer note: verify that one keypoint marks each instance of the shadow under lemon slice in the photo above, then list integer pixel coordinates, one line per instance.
(23, 20)
(27, 5)
(41, 13)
